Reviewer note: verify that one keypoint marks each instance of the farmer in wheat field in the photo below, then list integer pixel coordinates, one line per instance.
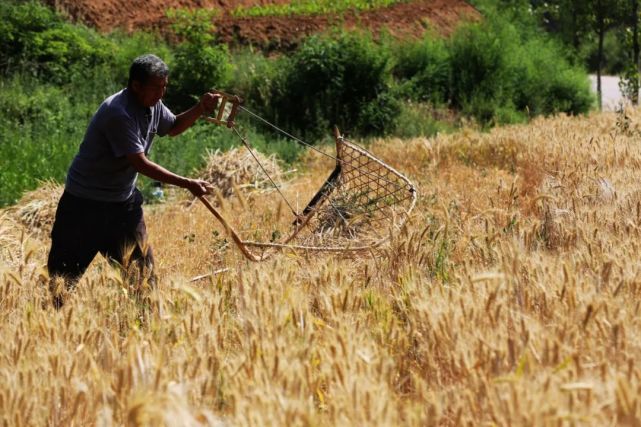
(101, 208)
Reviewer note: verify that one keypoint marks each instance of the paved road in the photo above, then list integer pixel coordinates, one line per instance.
(610, 88)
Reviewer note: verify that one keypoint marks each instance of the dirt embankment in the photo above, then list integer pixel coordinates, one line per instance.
(408, 19)
(131, 15)
(402, 20)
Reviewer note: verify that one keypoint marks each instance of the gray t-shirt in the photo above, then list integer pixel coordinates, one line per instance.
(121, 126)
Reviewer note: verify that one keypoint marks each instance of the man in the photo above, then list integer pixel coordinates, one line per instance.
(101, 209)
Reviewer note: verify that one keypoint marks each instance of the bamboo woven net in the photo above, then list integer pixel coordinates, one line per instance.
(360, 204)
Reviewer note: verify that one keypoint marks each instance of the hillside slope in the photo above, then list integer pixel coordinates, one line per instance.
(405, 19)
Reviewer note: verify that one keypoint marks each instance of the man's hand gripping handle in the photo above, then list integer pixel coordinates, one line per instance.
(219, 109)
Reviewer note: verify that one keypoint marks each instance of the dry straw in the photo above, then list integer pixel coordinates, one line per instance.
(36, 210)
(10, 239)
(238, 168)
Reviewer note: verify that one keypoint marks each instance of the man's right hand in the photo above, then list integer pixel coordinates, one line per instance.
(199, 187)
(209, 102)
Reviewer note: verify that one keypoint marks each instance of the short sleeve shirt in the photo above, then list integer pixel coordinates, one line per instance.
(121, 126)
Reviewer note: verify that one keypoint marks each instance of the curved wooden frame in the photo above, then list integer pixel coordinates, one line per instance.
(312, 207)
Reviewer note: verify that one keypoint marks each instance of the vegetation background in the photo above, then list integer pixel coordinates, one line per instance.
(54, 73)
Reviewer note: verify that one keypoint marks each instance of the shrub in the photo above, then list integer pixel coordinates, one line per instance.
(130, 46)
(199, 64)
(500, 76)
(18, 22)
(569, 92)
(545, 83)
(424, 69)
(483, 68)
(254, 78)
(36, 39)
(377, 117)
(342, 80)
(422, 119)
(196, 69)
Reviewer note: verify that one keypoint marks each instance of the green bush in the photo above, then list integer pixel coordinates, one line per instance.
(18, 23)
(195, 70)
(377, 117)
(130, 46)
(35, 39)
(547, 84)
(482, 64)
(500, 76)
(424, 69)
(199, 64)
(254, 78)
(569, 92)
(341, 80)
(422, 120)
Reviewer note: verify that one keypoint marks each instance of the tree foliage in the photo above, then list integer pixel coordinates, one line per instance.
(603, 34)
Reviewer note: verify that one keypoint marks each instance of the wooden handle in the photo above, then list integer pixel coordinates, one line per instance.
(230, 231)
(218, 118)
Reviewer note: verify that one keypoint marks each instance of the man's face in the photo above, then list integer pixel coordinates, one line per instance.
(150, 92)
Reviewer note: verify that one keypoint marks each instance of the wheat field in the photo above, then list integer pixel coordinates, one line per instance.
(511, 297)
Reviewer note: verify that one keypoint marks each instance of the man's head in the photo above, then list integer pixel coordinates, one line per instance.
(148, 79)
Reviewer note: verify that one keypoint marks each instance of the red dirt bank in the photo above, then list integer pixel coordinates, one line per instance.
(409, 19)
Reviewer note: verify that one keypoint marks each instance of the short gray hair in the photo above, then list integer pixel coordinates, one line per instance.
(146, 66)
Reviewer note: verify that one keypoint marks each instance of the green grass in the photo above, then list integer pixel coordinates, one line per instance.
(312, 7)
(41, 128)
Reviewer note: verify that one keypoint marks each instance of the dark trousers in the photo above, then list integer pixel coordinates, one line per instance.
(83, 228)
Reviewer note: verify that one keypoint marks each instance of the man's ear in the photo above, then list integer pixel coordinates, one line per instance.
(136, 86)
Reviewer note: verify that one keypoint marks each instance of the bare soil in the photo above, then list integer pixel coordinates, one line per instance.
(409, 19)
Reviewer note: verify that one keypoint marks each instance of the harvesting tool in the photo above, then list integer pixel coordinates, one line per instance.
(358, 207)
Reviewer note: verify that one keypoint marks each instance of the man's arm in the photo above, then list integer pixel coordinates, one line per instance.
(143, 165)
(208, 102)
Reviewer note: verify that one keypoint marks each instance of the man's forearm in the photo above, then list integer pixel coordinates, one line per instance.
(186, 119)
(208, 102)
(143, 165)
(157, 172)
